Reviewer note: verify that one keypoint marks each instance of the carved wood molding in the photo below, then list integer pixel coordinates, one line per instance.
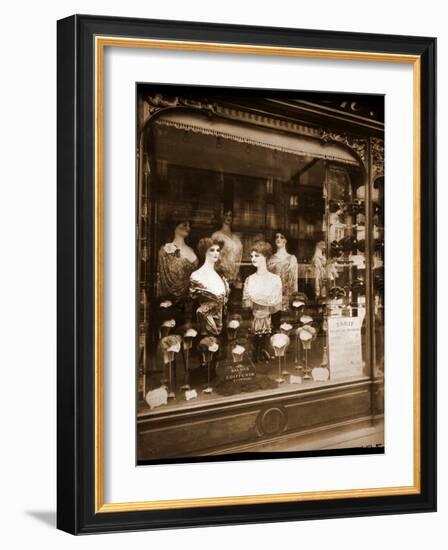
(377, 145)
(357, 144)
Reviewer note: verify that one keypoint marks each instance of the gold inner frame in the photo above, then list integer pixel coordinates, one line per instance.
(101, 42)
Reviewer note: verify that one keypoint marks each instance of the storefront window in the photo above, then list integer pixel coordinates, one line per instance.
(253, 266)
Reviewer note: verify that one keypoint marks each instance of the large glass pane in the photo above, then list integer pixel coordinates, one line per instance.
(260, 274)
(308, 232)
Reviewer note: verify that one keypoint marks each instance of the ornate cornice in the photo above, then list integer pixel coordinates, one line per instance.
(359, 145)
(157, 102)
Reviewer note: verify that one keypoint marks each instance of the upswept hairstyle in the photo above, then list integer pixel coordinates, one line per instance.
(262, 247)
(204, 244)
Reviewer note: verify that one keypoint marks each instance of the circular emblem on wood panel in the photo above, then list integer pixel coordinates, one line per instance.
(272, 420)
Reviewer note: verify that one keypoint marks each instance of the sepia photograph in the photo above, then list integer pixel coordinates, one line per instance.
(260, 274)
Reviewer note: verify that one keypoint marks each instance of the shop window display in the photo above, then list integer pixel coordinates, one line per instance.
(261, 279)
(255, 277)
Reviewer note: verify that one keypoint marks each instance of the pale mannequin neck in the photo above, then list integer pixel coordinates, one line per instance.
(226, 228)
(179, 241)
(282, 252)
(209, 265)
(262, 269)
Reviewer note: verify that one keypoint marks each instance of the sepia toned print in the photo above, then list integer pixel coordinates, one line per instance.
(260, 274)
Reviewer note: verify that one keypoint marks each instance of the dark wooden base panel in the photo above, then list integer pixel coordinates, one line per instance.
(214, 427)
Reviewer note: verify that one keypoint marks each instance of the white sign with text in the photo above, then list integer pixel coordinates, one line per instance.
(344, 342)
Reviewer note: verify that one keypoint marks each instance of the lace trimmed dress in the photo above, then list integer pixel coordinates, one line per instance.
(287, 269)
(212, 303)
(174, 272)
(263, 293)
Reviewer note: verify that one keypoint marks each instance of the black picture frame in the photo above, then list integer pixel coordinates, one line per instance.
(77, 511)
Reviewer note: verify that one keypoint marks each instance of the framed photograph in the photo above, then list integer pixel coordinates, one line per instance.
(246, 274)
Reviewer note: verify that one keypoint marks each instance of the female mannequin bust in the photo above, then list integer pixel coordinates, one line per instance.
(262, 290)
(324, 270)
(177, 260)
(285, 265)
(209, 288)
(319, 262)
(232, 250)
